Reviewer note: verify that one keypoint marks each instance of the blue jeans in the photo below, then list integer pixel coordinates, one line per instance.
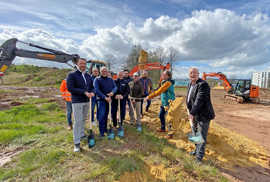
(69, 112)
(162, 113)
(147, 105)
(201, 127)
(94, 104)
(122, 111)
(103, 111)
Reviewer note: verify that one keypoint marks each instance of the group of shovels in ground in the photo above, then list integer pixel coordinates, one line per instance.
(111, 134)
(194, 136)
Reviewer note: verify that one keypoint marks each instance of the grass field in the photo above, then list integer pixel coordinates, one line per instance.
(39, 128)
(36, 132)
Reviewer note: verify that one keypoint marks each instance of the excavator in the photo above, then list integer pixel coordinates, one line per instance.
(9, 51)
(243, 91)
(143, 64)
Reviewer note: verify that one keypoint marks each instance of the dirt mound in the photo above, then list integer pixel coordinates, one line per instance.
(229, 149)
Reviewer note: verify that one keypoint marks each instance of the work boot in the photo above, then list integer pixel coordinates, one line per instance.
(199, 161)
(77, 148)
(192, 153)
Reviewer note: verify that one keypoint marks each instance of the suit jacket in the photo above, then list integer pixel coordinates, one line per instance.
(199, 104)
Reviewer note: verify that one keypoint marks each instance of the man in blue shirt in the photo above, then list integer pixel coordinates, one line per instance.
(105, 89)
(122, 94)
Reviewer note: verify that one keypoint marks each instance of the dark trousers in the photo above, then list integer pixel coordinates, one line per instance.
(162, 113)
(103, 111)
(94, 104)
(147, 105)
(122, 111)
(69, 112)
(201, 127)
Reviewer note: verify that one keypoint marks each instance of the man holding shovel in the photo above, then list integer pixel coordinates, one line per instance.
(122, 94)
(136, 94)
(80, 86)
(200, 109)
(105, 88)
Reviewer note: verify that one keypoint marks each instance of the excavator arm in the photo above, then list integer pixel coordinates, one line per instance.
(227, 85)
(9, 51)
(150, 66)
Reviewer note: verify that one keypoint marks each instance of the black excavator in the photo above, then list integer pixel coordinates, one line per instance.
(9, 51)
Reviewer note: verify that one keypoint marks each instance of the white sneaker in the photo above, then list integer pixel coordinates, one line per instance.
(77, 148)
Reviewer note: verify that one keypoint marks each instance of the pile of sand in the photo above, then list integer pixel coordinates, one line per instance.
(228, 147)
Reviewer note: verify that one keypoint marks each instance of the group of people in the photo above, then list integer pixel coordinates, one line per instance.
(105, 93)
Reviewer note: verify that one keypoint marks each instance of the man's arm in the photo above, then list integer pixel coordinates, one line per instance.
(98, 91)
(201, 98)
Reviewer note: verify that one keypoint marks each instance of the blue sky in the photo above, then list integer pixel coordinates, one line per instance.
(231, 36)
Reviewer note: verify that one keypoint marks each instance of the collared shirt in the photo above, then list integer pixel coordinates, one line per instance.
(83, 72)
(190, 91)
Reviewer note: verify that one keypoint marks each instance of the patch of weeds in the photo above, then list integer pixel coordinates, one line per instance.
(9, 132)
(121, 164)
(50, 107)
(37, 100)
(24, 113)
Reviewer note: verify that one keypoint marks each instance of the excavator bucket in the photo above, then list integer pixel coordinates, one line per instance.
(7, 54)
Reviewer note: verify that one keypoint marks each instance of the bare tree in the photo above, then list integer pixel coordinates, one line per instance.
(172, 57)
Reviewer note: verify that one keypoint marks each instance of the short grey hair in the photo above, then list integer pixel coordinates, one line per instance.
(194, 68)
(103, 67)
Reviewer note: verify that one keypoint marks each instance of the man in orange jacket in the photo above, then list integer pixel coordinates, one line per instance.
(67, 97)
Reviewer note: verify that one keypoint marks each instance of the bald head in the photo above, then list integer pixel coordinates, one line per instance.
(193, 74)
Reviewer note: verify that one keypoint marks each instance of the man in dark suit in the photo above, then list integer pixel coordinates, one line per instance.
(200, 109)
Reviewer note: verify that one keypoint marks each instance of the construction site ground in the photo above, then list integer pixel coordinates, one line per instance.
(238, 140)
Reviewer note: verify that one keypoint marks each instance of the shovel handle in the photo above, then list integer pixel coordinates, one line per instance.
(110, 113)
(132, 107)
(119, 114)
(90, 113)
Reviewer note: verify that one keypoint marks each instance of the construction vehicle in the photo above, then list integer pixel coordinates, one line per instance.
(9, 51)
(242, 91)
(145, 65)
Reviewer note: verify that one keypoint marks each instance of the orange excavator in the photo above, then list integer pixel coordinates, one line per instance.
(242, 91)
(143, 64)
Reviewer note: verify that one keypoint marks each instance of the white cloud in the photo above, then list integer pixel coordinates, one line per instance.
(225, 40)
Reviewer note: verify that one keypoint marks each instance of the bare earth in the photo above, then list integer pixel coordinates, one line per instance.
(250, 120)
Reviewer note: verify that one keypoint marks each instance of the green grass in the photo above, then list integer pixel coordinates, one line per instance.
(29, 75)
(49, 151)
(29, 120)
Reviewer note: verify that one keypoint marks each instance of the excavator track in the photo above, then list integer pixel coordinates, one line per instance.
(231, 98)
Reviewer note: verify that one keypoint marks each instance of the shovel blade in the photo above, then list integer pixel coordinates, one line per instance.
(197, 139)
(120, 132)
(91, 140)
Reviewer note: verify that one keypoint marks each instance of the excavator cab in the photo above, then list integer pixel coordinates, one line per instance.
(91, 64)
(245, 89)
